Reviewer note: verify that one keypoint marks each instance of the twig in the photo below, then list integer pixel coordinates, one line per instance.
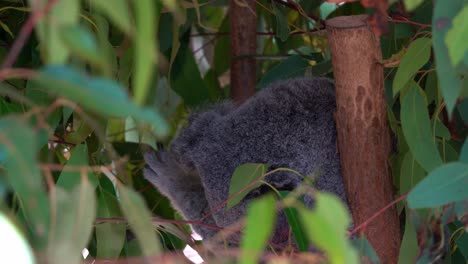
(24, 33)
(381, 211)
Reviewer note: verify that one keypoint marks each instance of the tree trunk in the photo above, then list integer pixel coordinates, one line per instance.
(363, 132)
(243, 22)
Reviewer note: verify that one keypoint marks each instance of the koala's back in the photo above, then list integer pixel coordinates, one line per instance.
(288, 124)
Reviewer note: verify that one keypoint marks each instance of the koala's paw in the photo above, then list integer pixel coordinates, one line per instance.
(160, 171)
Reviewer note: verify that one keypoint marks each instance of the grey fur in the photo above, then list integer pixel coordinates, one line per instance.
(288, 124)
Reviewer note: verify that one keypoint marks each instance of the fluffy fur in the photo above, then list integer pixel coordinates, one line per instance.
(288, 124)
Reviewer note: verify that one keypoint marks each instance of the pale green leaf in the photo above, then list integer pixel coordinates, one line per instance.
(261, 219)
(457, 37)
(73, 223)
(117, 12)
(139, 219)
(147, 18)
(326, 227)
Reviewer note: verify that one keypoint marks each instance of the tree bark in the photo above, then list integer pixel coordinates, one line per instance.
(243, 22)
(363, 133)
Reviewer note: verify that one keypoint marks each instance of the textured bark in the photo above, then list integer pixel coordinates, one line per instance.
(243, 22)
(363, 132)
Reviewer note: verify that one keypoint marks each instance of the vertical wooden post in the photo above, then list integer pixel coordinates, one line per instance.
(243, 22)
(363, 132)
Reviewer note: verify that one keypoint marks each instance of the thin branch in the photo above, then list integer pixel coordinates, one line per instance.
(24, 34)
(364, 224)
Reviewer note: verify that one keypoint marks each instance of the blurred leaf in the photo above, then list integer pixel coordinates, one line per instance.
(147, 18)
(367, 252)
(449, 78)
(409, 244)
(131, 131)
(82, 42)
(412, 4)
(261, 218)
(70, 178)
(110, 237)
(293, 66)
(244, 175)
(73, 223)
(282, 27)
(64, 13)
(90, 92)
(416, 128)
(19, 148)
(415, 57)
(139, 219)
(297, 227)
(457, 36)
(464, 152)
(327, 226)
(443, 185)
(117, 12)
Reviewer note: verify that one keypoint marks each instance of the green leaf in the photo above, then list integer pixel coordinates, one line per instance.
(18, 146)
(73, 223)
(244, 175)
(282, 27)
(412, 4)
(222, 47)
(69, 179)
(186, 78)
(415, 57)
(326, 227)
(90, 92)
(64, 13)
(444, 185)
(366, 251)
(464, 152)
(293, 66)
(449, 78)
(110, 237)
(457, 37)
(416, 128)
(147, 18)
(117, 12)
(297, 228)
(409, 244)
(81, 41)
(410, 174)
(261, 219)
(139, 219)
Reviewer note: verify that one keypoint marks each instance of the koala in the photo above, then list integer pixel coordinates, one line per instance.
(289, 124)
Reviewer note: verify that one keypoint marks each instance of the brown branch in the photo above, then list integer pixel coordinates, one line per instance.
(407, 21)
(24, 33)
(364, 224)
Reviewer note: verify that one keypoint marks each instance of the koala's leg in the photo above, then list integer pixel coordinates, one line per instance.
(182, 186)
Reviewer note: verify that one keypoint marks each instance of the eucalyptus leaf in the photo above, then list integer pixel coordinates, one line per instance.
(415, 57)
(243, 176)
(416, 128)
(444, 185)
(261, 218)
